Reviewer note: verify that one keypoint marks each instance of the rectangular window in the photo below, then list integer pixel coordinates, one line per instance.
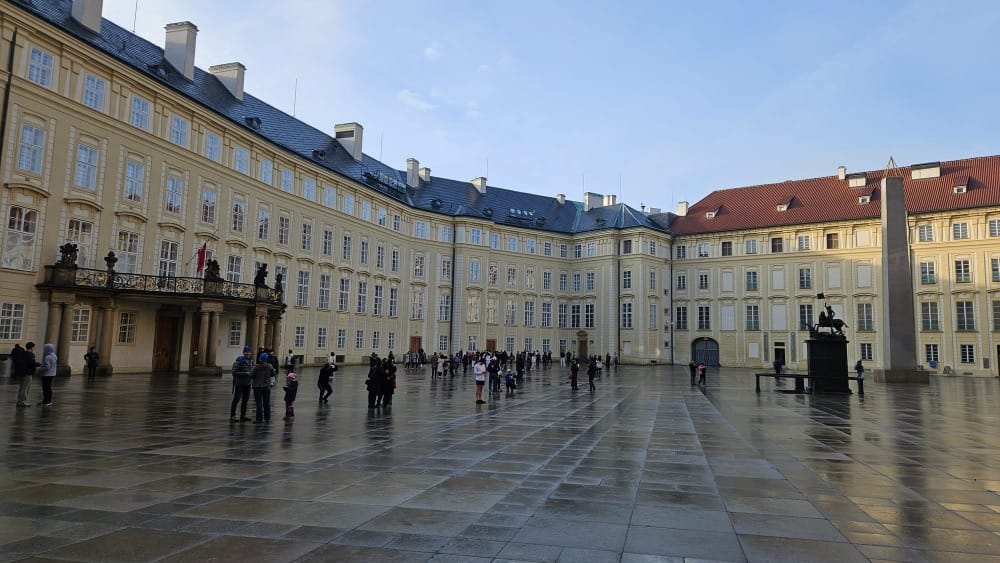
(577, 251)
(40, 67)
(681, 281)
(139, 116)
(591, 277)
(652, 247)
(494, 241)
(267, 171)
(626, 247)
(343, 294)
(86, 167)
(476, 236)
(126, 327)
(574, 316)
(576, 282)
(241, 160)
(866, 320)
(751, 246)
(563, 315)
(929, 317)
(865, 351)
(445, 268)
(394, 260)
(967, 354)
(510, 313)
(235, 332)
(341, 338)
(420, 229)
(704, 250)
(307, 237)
(299, 339)
(563, 251)
(280, 273)
(547, 281)
(416, 304)
(727, 248)
(651, 316)
(652, 280)
(80, 329)
(931, 353)
(234, 269)
(302, 289)
(472, 308)
(127, 250)
(209, 197)
(563, 281)
(805, 278)
(777, 245)
(925, 233)
(588, 315)
(702, 281)
(325, 283)
(626, 321)
(704, 318)
(491, 310)
(287, 179)
(396, 223)
(179, 128)
(446, 234)
(592, 248)
(174, 194)
(529, 246)
(381, 217)
(309, 189)
(364, 254)
(751, 281)
(753, 317)
(380, 256)
(804, 242)
(346, 248)
(832, 241)
(213, 147)
(962, 272)
(996, 315)
(390, 340)
(349, 204)
(509, 344)
(529, 313)
(681, 318)
(418, 265)
(321, 334)
(474, 271)
(393, 301)
(359, 339)
(681, 252)
(239, 216)
(329, 197)
(994, 227)
(805, 317)
(547, 249)
(511, 244)
(377, 300)
(964, 316)
(927, 274)
(362, 304)
(167, 265)
(31, 150)
(135, 178)
(995, 269)
(81, 233)
(263, 223)
(626, 279)
(960, 231)
(11, 321)
(327, 246)
(547, 315)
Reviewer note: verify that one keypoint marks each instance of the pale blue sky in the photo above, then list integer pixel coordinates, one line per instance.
(674, 98)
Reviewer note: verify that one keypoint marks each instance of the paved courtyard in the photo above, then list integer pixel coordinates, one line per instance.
(139, 468)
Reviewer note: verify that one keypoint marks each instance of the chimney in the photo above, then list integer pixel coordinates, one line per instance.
(682, 208)
(231, 76)
(561, 198)
(179, 49)
(653, 211)
(88, 13)
(350, 135)
(610, 200)
(480, 184)
(425, 174)
(412, 173)
(591, 200)
(841, 172)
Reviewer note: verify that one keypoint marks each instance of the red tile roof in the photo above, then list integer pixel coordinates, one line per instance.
(829, 199)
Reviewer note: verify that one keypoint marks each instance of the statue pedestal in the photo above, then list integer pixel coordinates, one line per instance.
(828, 365)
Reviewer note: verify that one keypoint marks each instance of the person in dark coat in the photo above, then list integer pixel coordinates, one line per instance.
(693, 368)
(388, 383)
(591, 374)
(291, 390)
(323, 382)
(263, 378)
(701, 373)
(242, 382)
(24, 366)
(374, 385)
(91, 358)
(574, 371)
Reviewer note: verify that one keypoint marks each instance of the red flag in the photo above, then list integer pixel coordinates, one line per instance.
(202, 254)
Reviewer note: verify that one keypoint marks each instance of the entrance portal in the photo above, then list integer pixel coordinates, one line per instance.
(166, 344)
(705, 351)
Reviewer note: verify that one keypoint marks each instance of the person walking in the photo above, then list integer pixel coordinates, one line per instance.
(291, 390)
(289, 362)
(48, 372)
(263, 378)
(860, 370)
(592, 373)
(242, 382)
(574, 371)
(24, 368)
(323, 381)
(91, 358)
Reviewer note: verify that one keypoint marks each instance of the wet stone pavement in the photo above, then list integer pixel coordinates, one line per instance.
(140, 468)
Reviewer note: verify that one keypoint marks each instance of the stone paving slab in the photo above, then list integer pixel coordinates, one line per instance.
(648, 468)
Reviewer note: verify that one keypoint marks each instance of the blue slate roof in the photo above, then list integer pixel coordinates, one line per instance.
(439, 195)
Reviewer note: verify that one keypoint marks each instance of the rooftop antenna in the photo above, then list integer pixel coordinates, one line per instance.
(620, 184)
(891, 166)
(135, 16)
(295, 96)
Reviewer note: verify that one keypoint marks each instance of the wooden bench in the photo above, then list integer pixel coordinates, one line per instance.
(800, 377)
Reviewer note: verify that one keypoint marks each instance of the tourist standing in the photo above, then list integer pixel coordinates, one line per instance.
(24, 368)
(693, 368)
(48, 372)
(91, 358)
(263, 379)
(242, 382)
(860, 370)
(592, 373)
(479, 373)
(291, 390)
(701, 373)
(574, 371)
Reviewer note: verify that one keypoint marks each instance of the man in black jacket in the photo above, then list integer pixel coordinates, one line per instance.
(242, 368)
(24, 366)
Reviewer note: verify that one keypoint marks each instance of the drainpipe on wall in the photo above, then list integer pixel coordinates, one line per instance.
(6, 93)
(454, 274)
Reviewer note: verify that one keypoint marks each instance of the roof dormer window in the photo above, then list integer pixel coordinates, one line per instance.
(857, 180)
(961, 185)
(782, 207)
(925, 170)
(863, 199)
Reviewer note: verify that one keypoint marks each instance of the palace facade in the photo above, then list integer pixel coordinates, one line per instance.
(124, 167)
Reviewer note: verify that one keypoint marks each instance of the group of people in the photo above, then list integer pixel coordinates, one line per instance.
(24, 366)
(697, 370)
(259, 375)
(381, 381)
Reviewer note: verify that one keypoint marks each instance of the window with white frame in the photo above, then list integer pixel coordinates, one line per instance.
(588, 315)
(491, 310)
(446, 234)
(805, 316)
(804, 242)
(592, 249)
(472, 308)
(377, 296)
(418, 265)
(805, 278)
(420, 229)
(704, 318)
(474, 270)
(307, 237)
(929, 317)
(359, 339)
(174, 194)
(445, 268)
(390, 340)
(167, 263)
(300, 337)
(753, 317)
(139, 114)
(417, 304)
(563, 312)
(126, 327)
(135, 181)
(963, 274)
(494, 241)
(341, 338)
(651, 316)
(546, 321)
(994, 227)
(362, 302)
(19, 244)
(267, 171)
(510, 312)
(931, 353)
(380, 256)
(344, 294)
(31, 149)
(995, 269)
(321, 337)
(366, 211)
(287, 179)
(280, 277)
(327, 246)
(547, 248)
(529, 313)
(127, 249)
(652, 280)
(346, 248)
(329, 197)
(704, 250)
(652, 248)
(682, 281)
(349, 204)
(309, 189)
(529, 345)
(511, 243)
(960, 231)
(508, 344)
(323, 298)
(866, 317)
(213, 146)
(209, 198)
(476, 236)
(302, 289)
(702, 281)
(381, 217)
(563, 251)
(80, 328)
(563, 281)
(626, 279)
(751, 280)
(238, 217)
(444, 307)
(681, 318)
(263, 223)
(394, 260)
(284, 228)
(577, 251)
(85, 175)
(235, 332)
(546, 280)
(179, 130)
(996, 315)
(925, 233)
(376, 339)
(472, 344)
(396, 223)
(928, 275)
(234, 268)
(241, 160)
(865, 351)
(81, 233)
(393, 301)
(680, 252)
(627, 246)
(529, 278)
(626, 315)
(529, 246)
(40, 64)
(965, 318)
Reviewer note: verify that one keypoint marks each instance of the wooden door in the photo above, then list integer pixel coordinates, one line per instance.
(491, 344)
(583, 351)
(166, 344)
(415, 343)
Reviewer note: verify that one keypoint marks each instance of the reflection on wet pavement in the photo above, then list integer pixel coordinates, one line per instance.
(140, 468)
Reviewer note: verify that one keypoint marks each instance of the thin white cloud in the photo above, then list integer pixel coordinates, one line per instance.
(411, 100)
(432, 52)
(472, 108)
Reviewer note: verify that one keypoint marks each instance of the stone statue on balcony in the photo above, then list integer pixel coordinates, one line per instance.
(212, 271)
(111, 260)
(67, 255)
(260, 280)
